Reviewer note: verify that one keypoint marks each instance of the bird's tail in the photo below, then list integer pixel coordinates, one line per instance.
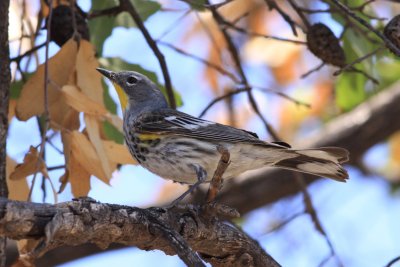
(325, 161)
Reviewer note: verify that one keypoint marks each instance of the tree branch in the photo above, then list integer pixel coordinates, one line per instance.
(171, 230)
(371, 123)
(128, 7)
(5, 77)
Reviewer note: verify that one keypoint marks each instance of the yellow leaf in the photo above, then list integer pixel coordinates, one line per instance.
(118, 153)
(31, 101)
(78, 177)
(81, 102)
(92, 128)
(89, 79)
(18, 189)
(32, 164)
(84, 152)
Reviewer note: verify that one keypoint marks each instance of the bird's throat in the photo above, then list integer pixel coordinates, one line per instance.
(123, 97)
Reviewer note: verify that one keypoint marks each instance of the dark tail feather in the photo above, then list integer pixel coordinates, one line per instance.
(321, 162)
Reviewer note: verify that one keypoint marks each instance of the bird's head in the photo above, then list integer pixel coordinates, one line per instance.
(135, 90)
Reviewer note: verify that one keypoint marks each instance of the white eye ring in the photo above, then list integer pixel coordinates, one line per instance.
(131, 80)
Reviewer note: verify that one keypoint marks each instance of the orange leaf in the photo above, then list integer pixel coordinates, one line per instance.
(81, 102)
(93, 130)
(31, 101)
(86, 155)
(32, 164)
(78, 177)
(118, 153)
(89, 79)
(19, 189)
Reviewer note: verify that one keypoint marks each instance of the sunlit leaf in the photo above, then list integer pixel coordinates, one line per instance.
(61, 67)
(350, 90)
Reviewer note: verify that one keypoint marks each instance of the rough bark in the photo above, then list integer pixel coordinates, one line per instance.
(5, 77)
(172, 230)
(358, 130)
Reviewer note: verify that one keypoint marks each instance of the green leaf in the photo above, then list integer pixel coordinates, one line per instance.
(112, 133)
(108, 101)
(16, 86)
(101, 27)
(350, 90)
(118, 64)
(198, 5)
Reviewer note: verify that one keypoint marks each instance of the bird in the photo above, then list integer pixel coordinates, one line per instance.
(183, 148)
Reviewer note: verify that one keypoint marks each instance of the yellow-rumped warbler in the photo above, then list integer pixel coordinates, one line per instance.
(183, 148)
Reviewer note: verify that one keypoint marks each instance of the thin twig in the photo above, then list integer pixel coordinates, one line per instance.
(273, 5)
(112, 11)
(353, 69)
(235, 56)
(246, 89)
(309, 208)
(364, 23)
(284, 222)
(30, 51)
(207, 30)
(217, 99)
(128, 6)
(300, 13)
(255, 34)
(46, 113)
(174, 25)
(205, 62)
(390, 263)
(358, 60)
(216, 181)
(317, 68)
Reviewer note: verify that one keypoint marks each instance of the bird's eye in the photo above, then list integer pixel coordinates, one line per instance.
(131, 80)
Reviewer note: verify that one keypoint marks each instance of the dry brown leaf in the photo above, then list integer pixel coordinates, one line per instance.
(81, 102)
(71, 120)
(78, 177)
(32, 164)
(118, 153)
(84, 151)
(64, 179)
(31, 101)
(89, 79)
(18, 189)
(93, 130)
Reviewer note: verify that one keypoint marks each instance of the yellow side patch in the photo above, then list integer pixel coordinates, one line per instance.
(148, 137)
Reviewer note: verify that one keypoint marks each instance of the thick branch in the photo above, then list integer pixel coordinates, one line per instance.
(368, 124)
(5, 78)
(78, 222)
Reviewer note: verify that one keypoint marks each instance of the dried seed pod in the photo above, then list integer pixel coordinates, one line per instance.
(392, 32)
(62, 28)
(323, 43)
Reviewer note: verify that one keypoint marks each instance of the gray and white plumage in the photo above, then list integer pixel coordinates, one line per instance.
(176, 145)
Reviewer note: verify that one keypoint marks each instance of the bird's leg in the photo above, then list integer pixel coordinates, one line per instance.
(216, 181)
(201, 178)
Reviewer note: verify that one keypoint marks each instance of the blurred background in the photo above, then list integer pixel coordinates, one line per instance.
(360, 219)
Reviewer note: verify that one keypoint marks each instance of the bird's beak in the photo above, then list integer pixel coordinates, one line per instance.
(123, 97)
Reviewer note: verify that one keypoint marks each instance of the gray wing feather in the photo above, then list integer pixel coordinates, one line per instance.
(170, 121)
